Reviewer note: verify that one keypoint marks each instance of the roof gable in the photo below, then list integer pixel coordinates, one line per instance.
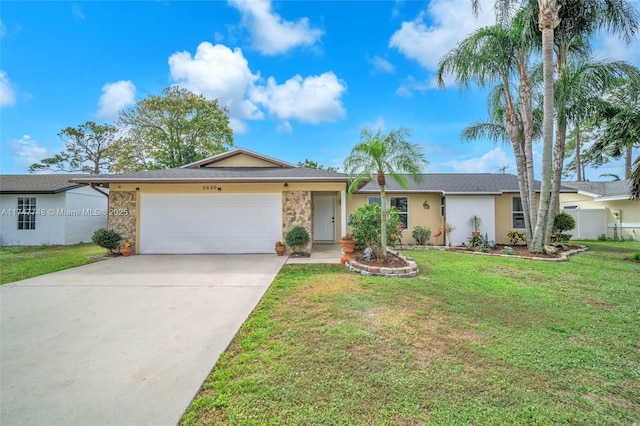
(238, 158)
(37, 184)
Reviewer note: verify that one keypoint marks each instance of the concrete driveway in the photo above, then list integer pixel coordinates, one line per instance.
(126, 341)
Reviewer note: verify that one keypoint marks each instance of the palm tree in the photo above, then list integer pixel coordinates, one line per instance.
(494, 56)
(378, 155)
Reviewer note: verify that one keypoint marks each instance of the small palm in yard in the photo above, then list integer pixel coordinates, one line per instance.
(378, 155)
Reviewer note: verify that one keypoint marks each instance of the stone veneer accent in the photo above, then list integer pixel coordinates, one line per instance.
(121, 202)
(297, 211)
(380, 271)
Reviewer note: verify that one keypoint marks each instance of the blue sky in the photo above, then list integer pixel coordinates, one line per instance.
(300, 78)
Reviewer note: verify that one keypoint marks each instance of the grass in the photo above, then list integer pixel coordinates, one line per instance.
(473, 340)
(19, 263)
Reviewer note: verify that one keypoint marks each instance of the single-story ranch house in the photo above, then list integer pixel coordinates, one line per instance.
(602, 208)
(48, 209)
(243, 202)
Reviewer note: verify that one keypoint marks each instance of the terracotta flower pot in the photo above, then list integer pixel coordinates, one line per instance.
(280, 250)
(126, 251)
(347, 246)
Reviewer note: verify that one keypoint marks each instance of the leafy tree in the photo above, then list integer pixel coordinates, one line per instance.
(314, 165)
(366, 224)
(171, 130)
(87, 150)
(378, 155)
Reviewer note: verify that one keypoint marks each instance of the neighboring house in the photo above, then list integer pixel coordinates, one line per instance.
(48, 209)
(454, 198)
(235, 202)
(243, 202)
(602, 208)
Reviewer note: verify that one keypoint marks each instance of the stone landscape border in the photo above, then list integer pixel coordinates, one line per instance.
(563, 257)
(382, 271)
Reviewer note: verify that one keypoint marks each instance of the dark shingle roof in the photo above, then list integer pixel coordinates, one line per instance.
(37, 184)
(458, 183)
(616, 188)
(226, 174)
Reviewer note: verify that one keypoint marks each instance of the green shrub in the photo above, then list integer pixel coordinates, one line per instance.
(602, 237)
(106, 238)
(560, 238)
(563, 222)
(298, 237)
(636, 255)
(421, 235)
(367, 226)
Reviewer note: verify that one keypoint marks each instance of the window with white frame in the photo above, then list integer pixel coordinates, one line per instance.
(402, 204)
(374, 200)
(26, 213)
(517, 213)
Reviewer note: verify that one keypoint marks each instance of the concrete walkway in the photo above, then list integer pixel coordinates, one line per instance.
(321, 253)
(126, 341)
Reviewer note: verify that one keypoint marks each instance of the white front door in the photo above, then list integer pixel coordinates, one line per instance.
(324, 218)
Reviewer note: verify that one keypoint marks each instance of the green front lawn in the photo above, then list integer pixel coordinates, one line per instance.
(19, 263)
(473, 340)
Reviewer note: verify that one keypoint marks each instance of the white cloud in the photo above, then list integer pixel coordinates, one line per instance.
(7, 94)
(435, 31)
(270, 33)
(115, 97)
(27, 151)
(284, 127)
(218, 72)
(381, 65)
(311, 99)
(77, 11)
(611, 47)
(490, 162)
(222, 73)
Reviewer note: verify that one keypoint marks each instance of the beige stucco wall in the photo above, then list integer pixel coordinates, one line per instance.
(627, 222)
(242, 160)
(127, 195)
(418, 215)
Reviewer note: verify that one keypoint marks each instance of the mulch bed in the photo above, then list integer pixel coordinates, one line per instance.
(393, 261)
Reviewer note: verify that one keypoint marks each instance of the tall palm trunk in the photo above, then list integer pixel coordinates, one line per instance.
(579, 177)
(548, 21)
(527, 189)
(383, 218)
(628, 160)
(558, 160)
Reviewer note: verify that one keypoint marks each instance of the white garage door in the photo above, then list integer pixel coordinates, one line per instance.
(209, 223)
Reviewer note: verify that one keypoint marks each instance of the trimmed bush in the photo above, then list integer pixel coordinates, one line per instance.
(297, 237)
(106, 238)
(563, 222)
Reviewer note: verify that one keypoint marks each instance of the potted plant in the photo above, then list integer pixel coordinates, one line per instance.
(348, 244)
(126, 250)
(280, 248)
(475, 222)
